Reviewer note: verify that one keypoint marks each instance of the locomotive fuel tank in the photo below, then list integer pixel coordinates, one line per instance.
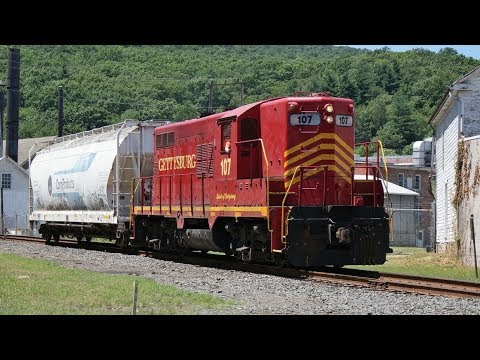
(199, 239)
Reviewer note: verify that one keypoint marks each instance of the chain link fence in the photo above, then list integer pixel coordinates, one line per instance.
(413, 227)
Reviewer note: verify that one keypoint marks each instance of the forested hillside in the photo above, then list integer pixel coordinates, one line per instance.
(395, 93)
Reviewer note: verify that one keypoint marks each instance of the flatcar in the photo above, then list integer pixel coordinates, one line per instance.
(269, 181)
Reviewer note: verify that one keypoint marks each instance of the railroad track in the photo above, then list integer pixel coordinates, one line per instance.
(350, 277)
(402, 282)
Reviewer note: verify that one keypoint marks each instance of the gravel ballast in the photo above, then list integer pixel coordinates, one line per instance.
(253, 293)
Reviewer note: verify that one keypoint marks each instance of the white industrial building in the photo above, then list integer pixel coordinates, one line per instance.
(455, 119)
(14, 180)
(15, 195)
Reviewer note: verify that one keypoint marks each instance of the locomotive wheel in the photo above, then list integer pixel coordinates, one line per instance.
(181, 251)
(280, 262)
(48, 238)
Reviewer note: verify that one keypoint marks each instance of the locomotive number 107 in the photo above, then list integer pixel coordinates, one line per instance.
(305, 119)
(226, 165)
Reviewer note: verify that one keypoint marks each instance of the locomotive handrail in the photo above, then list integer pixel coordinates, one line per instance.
(384, 163)
(379, 146)
(311, 93)
(117, 174)
(282, 233)
(389, 201)
(267, 178)
(133, 189)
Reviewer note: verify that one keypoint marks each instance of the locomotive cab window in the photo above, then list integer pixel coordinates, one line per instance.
(226, 136)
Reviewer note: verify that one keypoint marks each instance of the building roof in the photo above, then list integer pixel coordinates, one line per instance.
(389, 159)
(7, 159)
(24, 146)
(447, 99)
(393, 189)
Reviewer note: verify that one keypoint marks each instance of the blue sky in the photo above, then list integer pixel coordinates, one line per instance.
(467, 50)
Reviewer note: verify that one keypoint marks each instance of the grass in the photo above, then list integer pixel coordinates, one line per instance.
(32, 286)
(416, 261)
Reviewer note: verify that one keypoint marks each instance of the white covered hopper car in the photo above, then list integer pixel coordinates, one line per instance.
(81, 183)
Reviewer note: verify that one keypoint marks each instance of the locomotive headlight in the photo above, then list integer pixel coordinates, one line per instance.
(330, 119)
(328, 108)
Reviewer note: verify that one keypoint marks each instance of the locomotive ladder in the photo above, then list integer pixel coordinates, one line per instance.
(137, 161)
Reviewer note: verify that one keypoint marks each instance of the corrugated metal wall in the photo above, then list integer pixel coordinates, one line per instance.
(15, 200)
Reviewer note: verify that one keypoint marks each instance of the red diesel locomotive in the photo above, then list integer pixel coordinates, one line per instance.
(272, 180)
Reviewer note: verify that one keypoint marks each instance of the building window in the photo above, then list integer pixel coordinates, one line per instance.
(417, 182)
(7, 181)
(401, 179)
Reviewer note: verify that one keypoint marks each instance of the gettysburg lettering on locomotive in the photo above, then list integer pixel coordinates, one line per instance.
(177, 162)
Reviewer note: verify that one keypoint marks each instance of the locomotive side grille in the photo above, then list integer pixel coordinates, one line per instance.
(201, 154)
(204, 160)
(164, 140)
(210, 160)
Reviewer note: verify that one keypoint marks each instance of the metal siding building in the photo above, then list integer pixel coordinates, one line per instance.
(404, 213)
(15, 195)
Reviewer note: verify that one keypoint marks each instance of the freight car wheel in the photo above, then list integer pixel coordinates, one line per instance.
(56, 238)
(88, 239)
(79, 239)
